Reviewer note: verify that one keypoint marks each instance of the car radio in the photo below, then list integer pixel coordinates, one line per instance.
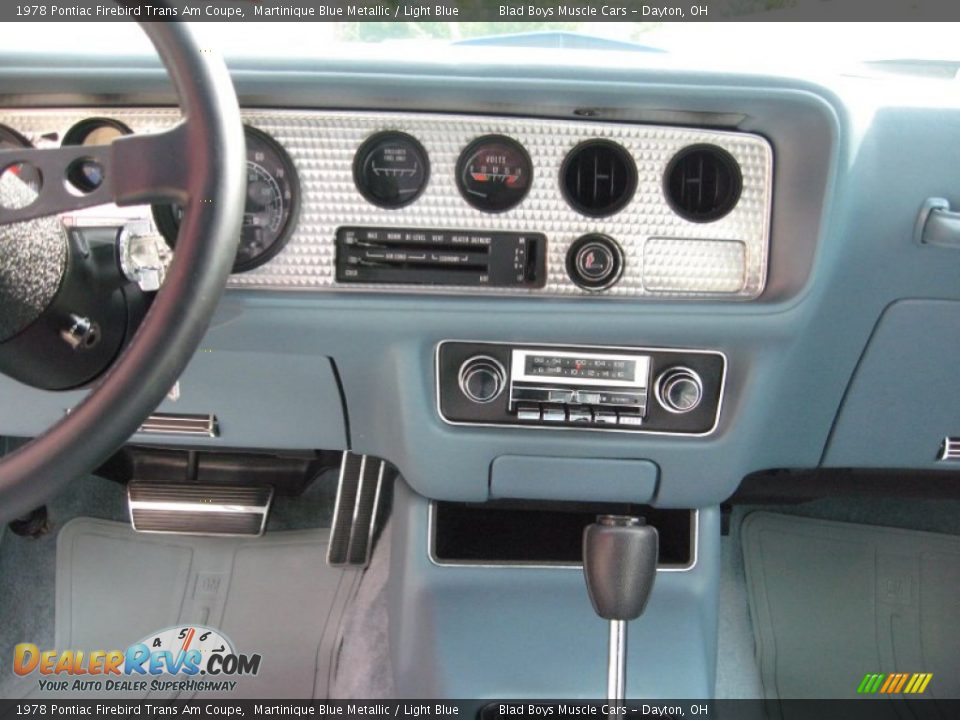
(632, 389)
(599, 382)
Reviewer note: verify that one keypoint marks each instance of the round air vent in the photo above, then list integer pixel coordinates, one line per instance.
(703, 183)
(598, 178)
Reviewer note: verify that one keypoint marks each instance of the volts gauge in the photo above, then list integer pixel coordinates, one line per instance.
(494, 173)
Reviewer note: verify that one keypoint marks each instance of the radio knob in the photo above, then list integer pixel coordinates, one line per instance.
(679, 390)
(482, 379)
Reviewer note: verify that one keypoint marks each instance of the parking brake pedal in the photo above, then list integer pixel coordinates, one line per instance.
(193, 509)
(356, 509)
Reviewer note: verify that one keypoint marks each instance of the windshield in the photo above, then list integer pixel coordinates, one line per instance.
(760, 46)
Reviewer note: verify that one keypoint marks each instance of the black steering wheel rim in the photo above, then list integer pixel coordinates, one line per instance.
(179, 316)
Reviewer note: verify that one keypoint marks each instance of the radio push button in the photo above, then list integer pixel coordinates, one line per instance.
(580, 415)
(629, 419)
(554, 414)
(605, 417)
(529, 413)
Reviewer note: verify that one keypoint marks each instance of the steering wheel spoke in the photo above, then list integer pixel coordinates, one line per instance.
(149, 168)
(136, 169)
(67, 179)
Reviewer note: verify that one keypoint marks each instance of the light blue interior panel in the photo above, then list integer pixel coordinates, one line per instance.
(487, 632)
(550, 478)
(905, 396)
(263, 399)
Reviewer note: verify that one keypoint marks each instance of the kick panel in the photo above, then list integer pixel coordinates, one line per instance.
(580, 387)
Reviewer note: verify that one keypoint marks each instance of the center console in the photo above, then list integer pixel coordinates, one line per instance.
(649, 390)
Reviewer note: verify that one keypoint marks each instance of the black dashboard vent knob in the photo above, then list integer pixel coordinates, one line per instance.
(598, 178)
(703, 183)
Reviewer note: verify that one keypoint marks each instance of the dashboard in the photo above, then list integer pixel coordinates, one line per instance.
(477, 204)
(780, 313)
(784, 292)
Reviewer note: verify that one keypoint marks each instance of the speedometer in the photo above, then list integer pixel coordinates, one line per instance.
(270, 212)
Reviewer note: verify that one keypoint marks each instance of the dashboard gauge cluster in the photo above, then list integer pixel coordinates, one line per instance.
(273, 202)
(597, 178)
(381, 201)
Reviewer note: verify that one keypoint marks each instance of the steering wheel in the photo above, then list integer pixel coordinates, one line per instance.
(199, 164)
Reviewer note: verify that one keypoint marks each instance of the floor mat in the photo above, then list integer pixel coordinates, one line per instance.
(273, 595)
(832, 602)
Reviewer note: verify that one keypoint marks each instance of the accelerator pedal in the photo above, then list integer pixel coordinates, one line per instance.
(192, 509)
(355, 513)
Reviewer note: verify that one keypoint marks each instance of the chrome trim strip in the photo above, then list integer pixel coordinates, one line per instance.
(374, 511)
(181, 424)
(336, 508)
(175, 506)
(617, 666)
(949, 449)
(361, 476)
(574, 428)
(355, 533)
(431, 552)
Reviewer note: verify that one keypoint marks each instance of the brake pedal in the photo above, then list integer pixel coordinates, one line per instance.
(356, 509)
(189, 509)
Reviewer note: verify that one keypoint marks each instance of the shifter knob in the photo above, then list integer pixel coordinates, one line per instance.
(620, 565)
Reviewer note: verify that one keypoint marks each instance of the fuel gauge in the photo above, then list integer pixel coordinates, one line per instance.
(391, 169)
(494, 173)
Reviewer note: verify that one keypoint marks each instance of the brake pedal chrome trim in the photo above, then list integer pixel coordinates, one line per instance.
(189, 509)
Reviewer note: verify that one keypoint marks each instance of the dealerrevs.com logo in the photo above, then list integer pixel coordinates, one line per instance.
(184, 658)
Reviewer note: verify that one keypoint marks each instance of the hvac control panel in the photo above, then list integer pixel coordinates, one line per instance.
(601, 388)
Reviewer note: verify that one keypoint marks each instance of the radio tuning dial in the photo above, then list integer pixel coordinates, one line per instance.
(679, 390)
(482, 379)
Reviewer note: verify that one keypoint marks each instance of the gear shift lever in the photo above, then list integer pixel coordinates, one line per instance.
(620, 565)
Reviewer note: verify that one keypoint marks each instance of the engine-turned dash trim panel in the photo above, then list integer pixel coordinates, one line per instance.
(664, 255)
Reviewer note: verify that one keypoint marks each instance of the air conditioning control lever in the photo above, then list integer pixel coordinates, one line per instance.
(620, 566)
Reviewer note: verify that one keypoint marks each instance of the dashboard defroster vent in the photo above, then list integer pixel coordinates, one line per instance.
(703, 183)
(598, 178)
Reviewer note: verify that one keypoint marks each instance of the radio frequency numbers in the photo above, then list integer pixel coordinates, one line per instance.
(606, 369)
